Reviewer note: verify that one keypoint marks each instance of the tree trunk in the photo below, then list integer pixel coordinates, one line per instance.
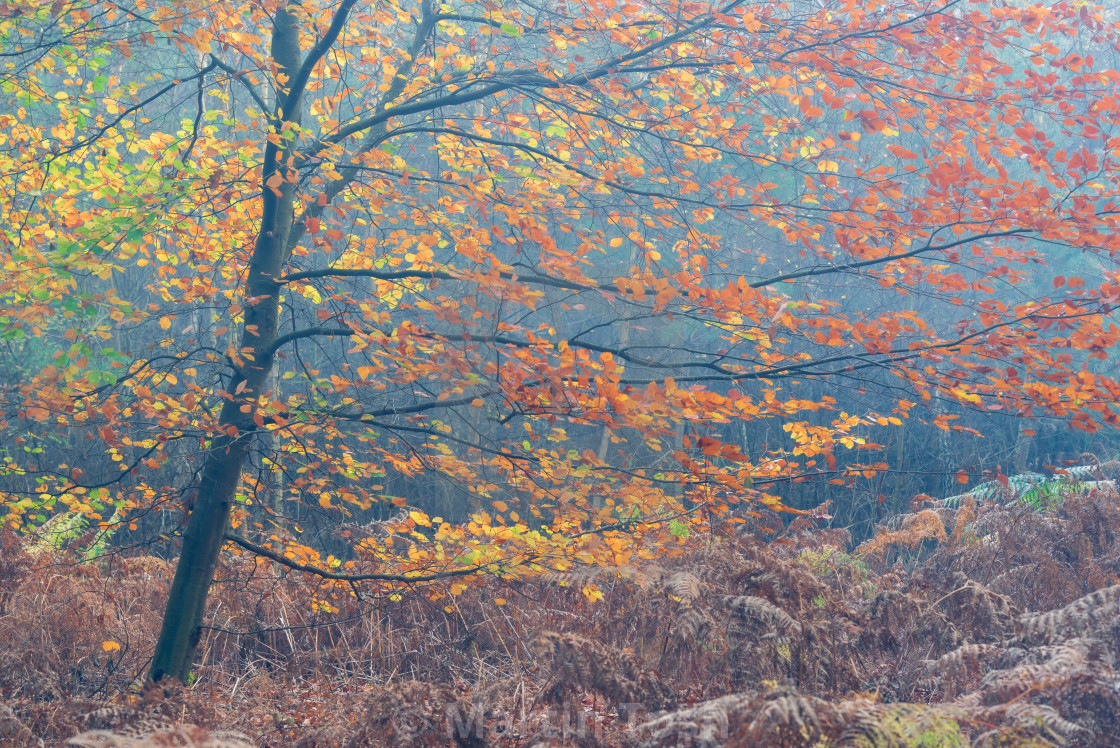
(1023, 443)
(221, 471)
(202, 542)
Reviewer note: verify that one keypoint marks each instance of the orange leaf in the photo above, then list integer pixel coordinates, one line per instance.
(709, 446)
(274, 183)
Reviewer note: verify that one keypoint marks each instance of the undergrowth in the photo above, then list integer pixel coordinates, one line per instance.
(988, 622)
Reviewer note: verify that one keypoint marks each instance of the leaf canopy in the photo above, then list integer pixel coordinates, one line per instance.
(519, 271)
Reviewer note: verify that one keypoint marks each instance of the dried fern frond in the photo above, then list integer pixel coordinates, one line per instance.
(915, 529)
(692, 624)
(778, 718)
(708, 724)
(13, 731)
(1082, 616)
(963, 523)
(186, 736)
(685, 586)
(413, 714)
(1041, 718)
(759, 616)
(645, 577)
(893, 615)
(152, 566)
(1063, 692)
(900, 725)
(963, 659)
(973, 608)
(581, 664)
(790, 584)
(579, 577)
(784, 717)
(1047, 666)
(1021, 736)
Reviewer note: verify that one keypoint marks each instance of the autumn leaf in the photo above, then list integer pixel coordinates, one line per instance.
(562, 260)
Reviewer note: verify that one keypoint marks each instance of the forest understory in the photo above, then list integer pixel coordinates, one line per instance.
(989, 620)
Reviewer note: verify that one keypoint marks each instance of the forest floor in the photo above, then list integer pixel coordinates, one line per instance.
(991, 622)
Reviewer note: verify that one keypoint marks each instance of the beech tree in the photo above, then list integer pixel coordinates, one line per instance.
(259, 259)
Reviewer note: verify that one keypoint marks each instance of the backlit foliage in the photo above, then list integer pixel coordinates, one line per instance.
(346, 258)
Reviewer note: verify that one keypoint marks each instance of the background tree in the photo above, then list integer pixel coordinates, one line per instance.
(507, 276)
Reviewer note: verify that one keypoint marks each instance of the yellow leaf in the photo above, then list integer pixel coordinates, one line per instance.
(420, 518)
(110, 646)
(499, 601)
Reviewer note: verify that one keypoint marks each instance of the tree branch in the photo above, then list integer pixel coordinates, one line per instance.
(299, 82)
(390, 275)
(124, 113)
(830, 269)
(522, 78)
(268, 553)
(374, 137)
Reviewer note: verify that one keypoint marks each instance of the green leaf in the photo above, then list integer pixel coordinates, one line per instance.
(509, 28)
